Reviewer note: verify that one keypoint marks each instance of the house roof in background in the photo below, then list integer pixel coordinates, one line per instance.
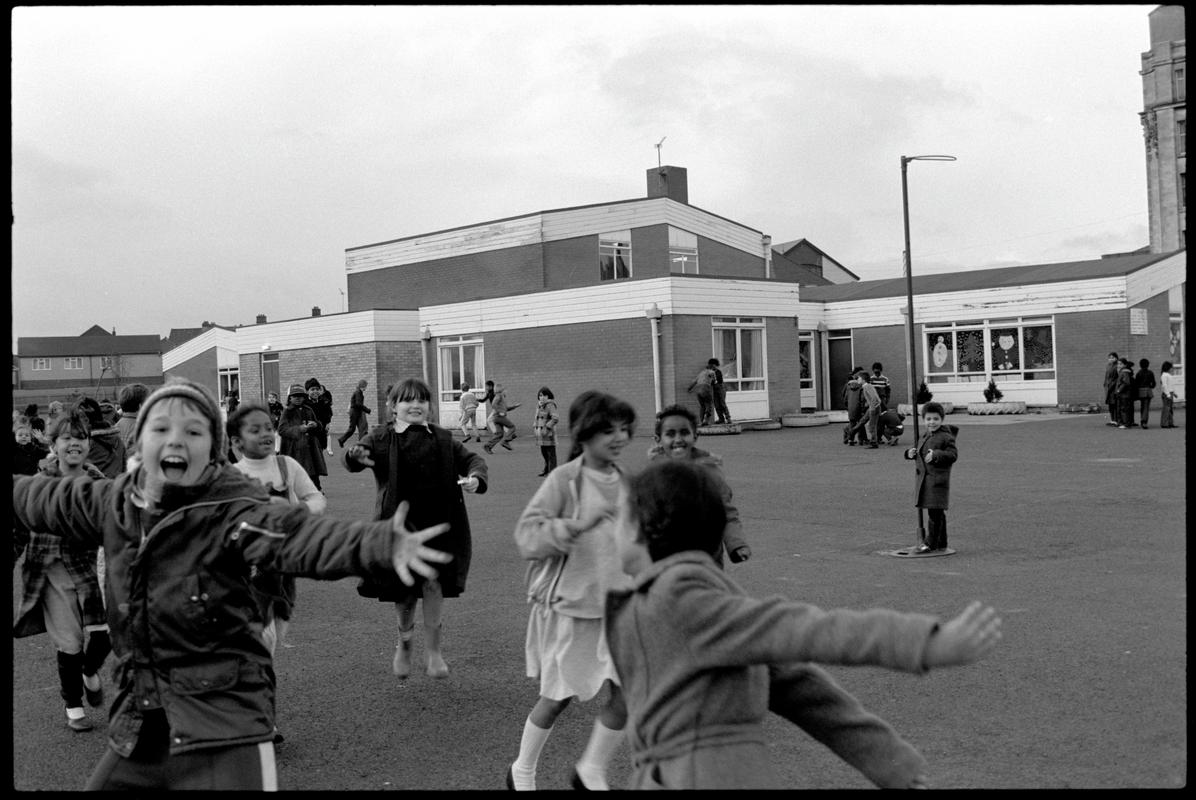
(934, 283)
(87, 345)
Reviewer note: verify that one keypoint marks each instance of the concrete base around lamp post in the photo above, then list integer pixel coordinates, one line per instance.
(908, 552)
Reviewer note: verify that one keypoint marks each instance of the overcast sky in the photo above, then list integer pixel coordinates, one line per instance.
(176, 165)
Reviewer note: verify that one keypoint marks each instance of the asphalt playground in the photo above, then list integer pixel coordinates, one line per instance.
(1074, 531)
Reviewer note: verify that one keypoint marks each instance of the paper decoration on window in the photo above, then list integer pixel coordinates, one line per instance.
(1138, 321)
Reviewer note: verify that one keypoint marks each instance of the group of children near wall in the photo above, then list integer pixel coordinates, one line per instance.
(625, 580)
(1126, 389)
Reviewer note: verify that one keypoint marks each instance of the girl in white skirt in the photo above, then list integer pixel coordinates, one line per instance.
(567, 533)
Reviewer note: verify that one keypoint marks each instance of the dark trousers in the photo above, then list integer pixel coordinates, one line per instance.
(1114, 404)
(706, 403)
(857, 429)
(720, 403)
(1144, 410)
(356, 425)
(1166, 416)
(1126, 413)
(936, 528)
(151, 766)
(504, 431)
(548, 451)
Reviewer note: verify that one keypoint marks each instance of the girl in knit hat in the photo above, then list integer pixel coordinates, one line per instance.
(299, 434)
(181, 530)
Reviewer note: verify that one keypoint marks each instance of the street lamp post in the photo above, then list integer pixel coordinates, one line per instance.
(910, 357)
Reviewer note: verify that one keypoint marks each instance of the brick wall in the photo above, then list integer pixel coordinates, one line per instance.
(887, 345)
(495, 273)
(784, 366)
(1084, 340)
(574, 262)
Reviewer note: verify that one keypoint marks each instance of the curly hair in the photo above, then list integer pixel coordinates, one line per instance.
(679, 507)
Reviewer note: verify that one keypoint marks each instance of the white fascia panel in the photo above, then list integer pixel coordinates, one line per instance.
(617, 300)
(1159, 277)
(1064, 297)
(213, 337)
(458, 242)
(330, 330)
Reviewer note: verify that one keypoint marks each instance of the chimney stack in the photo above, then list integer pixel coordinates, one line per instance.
(315, 311)
(668, 182)
(261, 319)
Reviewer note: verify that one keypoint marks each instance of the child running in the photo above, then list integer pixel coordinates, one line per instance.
(566, 532)
(694, 651)
(62, 595)
(250, 429)
(469, 414)
(181, 528)
(418, 462)
(675, 435)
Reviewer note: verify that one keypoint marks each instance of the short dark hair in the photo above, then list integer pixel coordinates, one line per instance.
(132, 396)
(593, 412)
(232, 426)
(679, 506)
(934, 408)
(712, 362)
(676, 410)
(1144, 363)
(409, 389)
(1113, 354)
(1166, 366)
(544, 390)
(877, 365)
(72, 423)
(31, 410)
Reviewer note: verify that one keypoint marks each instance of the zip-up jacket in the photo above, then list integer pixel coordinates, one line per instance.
(185, 629)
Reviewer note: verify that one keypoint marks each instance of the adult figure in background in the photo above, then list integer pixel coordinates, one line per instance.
(321, 403)
(881, 382)
(1112, 367)
(1145, 385)
(720, 393)
(130, 399)
(1126, 394)
(703, 387)
(357, 414)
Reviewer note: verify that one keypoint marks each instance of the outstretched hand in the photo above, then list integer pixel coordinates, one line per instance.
(361, 454)
(966, 638)
(410, 553)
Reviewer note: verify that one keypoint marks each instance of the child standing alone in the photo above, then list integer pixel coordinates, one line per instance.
(544, 428)
(567, 534)
(418, 462)
(934, 454)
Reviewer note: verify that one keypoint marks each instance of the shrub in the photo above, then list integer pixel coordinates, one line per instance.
(924, 394)
(991, 393)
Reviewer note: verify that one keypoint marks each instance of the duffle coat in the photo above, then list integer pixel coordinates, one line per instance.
(185, 628)
(298, 443)
(934, 477)
(693, 653)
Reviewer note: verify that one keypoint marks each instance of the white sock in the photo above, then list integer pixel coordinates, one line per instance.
(530, 746)
(591, 768)
(75, 713)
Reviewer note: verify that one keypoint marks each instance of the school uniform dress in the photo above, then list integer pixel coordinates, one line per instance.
(421, 464)
(693, 650)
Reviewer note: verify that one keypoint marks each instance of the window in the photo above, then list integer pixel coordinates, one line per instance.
(683, 252)
(230, 381)
(460, 362)
(41, 364)
(1181, 137)
(614, 255)
(1181, 88)
(739, 347)
(270, 377)
(976, 351)
(106, 362)
(72, 362)
(1175, 351)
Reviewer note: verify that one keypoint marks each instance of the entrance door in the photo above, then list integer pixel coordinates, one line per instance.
(805, 357)
(839, 355)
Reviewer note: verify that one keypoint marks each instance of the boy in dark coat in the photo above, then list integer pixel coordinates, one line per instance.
(934, 454)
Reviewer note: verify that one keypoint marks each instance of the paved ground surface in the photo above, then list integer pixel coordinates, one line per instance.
(1073, 530)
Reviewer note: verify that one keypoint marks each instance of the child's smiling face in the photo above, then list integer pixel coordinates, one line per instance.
(256, 438)
(176, 442)
(71, 450)
(933, 421)
(677, 436)
(411, 411)
(603, 449)
(23, 434)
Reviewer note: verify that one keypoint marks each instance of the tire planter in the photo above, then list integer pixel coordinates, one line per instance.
(804, 420)
(903, 408)
(1011, 407)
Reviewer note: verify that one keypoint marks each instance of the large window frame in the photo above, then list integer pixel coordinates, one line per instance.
(72, 362)
(1175, 345)
(1012, 349)
(740, 344)
(460, 359)
(41, 364)
(614, 255)
(683, 252)
(271, 378)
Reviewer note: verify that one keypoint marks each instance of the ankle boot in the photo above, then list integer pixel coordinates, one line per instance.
(70, 678)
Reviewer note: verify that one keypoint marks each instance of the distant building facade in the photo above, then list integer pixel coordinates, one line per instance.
(1164, 126)
(96, 361)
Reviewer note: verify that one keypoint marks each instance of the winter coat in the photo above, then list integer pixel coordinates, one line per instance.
(693, 653)
(1144, 384)
(125, 426)
(852, 400)
(566, 574)
(323, 408)
(301, 445)
(934, 477)
(733, 538)
(107, 451)
(454, 460)
(1125, 383)
(26, 457)
(544, 426)
(1111, 371)
(43, 549)
(185, 629)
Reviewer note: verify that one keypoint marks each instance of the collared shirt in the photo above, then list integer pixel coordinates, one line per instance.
(401, 426)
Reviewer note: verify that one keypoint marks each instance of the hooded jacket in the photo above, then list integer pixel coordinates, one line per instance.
(185, 629)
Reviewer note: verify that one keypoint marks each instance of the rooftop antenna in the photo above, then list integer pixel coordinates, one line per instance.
(658, 144)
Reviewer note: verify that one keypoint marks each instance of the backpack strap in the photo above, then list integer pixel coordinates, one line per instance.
(282, 470)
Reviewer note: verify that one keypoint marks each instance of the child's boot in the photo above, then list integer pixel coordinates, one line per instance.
(98, 648)
(70, 680)
(402, 661)
(437, 668)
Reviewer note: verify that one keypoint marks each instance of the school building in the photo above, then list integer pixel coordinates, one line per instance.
(633, 296)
